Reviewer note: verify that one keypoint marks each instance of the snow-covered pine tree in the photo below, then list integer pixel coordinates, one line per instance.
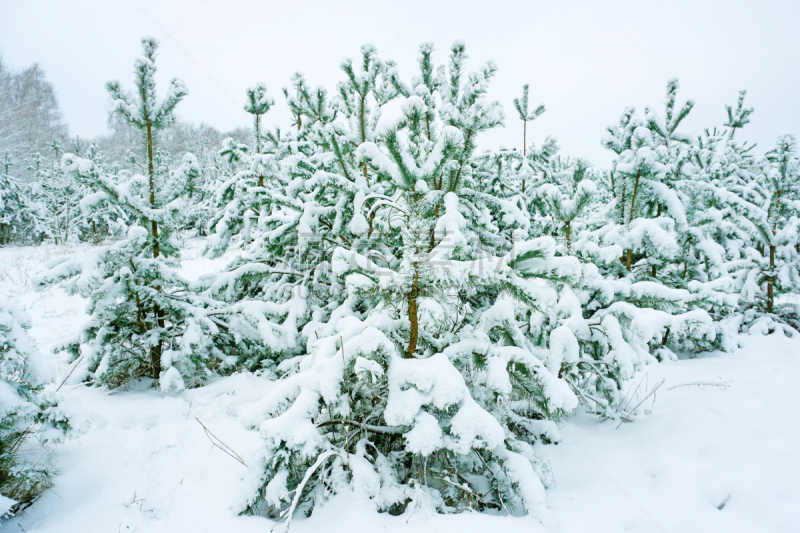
(521, 105)
(652, 215)
(736, 213)
(316, 195)
(680, 197)
(228, 218)
(419, 384)
(635, 232)
(238, 199)
(500, 176)
(770, 215)
(28, 417)
(258, 103)
(145, 321)
(719, 165)
(55, 190)
(669, 199)
(497, 172)
(20, 215)
(59, 196)
(566, 202)
(202, 190)
(650, 155)
(739, 117)
(12, 203)
(449, 294)
(144, 112)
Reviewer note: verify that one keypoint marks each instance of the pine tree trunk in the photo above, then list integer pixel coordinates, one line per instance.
(361, 118)
(435, 213)
(569, 240)
(524, 138)
(412, 314)
(463, 160)
(622, 216)
(155, 351)
(371, 223)
(630, 215)
(633, 198)
(524, 147)
(771, 280)
(433, 231)
(363, 137)
(428, 124)
(151, 172)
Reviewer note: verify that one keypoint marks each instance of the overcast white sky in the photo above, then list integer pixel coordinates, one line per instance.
(584, 59)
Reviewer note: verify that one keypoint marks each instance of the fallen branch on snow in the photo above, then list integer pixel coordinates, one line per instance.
(215, 441)
(652, 392)
(703, 384)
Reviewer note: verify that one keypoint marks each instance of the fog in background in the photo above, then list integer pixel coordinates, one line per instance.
(585, 60)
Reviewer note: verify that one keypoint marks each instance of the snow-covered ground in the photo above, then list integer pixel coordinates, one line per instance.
(717, 448)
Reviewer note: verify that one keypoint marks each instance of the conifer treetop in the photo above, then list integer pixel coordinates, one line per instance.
(142, 108)
(258, 101)
(521, 105)
(739, 117)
